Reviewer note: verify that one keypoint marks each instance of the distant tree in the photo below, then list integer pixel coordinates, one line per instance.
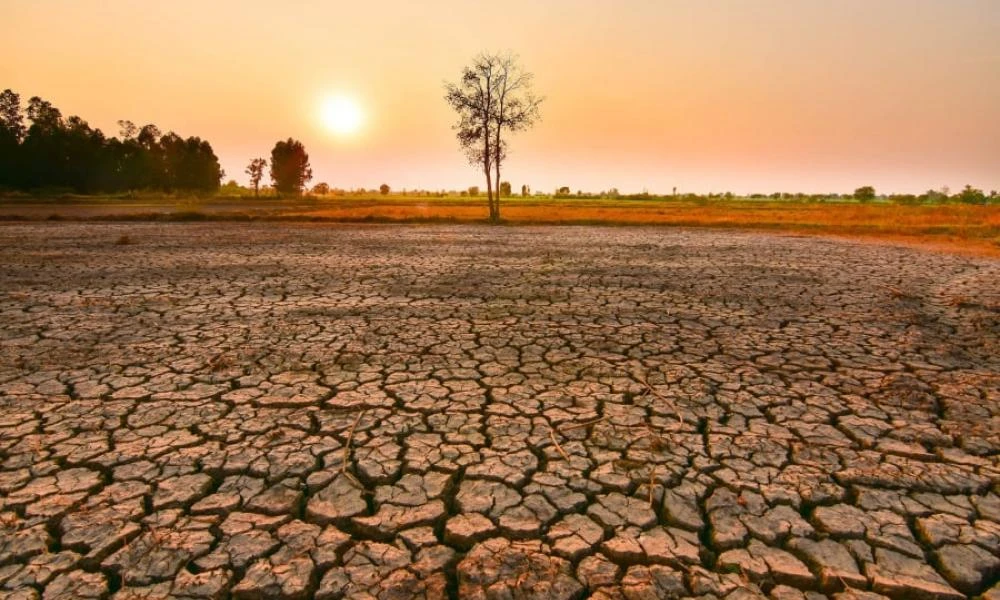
(256, 172)
(11, 117)
(290, 169)
(82, 147)
(12, 132)
(42, 152)
(188, 164)
(321, 189)
(173, 156)
(43, 115)
(384, 189)
(149, 158)
(525, 191)
(148, 138)
(932, 197)
(505, 189)
(492, 97)
(864, 194)
(473, 190)
(202, 171)
(127, 129)
(971, 195)
(563, 191)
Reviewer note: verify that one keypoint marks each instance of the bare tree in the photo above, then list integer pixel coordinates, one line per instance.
(256, 172)
(492, 98)
(516, 108)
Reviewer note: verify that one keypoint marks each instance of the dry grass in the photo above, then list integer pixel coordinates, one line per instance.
(951, 227)
(962, 228)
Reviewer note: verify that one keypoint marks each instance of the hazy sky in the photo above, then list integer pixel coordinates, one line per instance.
(705, 95)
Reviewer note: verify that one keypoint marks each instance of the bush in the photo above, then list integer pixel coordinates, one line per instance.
(321, 189)
(864, 194)
(971, 195)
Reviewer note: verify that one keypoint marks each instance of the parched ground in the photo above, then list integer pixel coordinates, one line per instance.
(293, 411)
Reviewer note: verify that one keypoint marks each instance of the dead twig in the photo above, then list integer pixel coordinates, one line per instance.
(649, 389)
(639, 377)
(652, 478)
(582, 425)
(347, 451)
(555, 442)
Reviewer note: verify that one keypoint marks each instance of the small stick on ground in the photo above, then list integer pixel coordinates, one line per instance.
(347, 451)
(584, 424)
(652, 478)
(642, 379)
(555, 442)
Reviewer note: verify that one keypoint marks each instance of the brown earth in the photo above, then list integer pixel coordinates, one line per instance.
(273, 410)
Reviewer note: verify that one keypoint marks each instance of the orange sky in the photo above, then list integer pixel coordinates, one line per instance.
(705, 95)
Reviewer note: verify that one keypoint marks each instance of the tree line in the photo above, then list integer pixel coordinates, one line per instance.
(50, 151)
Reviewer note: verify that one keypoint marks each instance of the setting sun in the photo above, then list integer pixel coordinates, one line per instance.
(341, 115)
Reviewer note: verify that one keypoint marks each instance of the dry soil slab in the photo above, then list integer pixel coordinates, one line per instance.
(289, 411)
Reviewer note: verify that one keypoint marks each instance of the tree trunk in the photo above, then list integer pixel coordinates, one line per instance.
(496, 163)
(496, 166)
(489, 195)
(489, 182)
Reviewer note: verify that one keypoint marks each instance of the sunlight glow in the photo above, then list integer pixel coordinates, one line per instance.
(341, 115)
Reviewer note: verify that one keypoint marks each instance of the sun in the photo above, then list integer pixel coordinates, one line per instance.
(341, 115)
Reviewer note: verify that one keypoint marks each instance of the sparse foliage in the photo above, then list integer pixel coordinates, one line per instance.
(127, 129)
(290, 170)
(505, 189)
(256, 172)
(11, 117)
(492, 98)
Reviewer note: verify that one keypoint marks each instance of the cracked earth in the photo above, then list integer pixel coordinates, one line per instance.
(289, 411)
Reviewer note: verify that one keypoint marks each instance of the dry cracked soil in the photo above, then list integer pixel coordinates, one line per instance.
(290, 411)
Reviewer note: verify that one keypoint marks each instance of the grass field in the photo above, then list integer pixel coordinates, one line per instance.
(950, 227)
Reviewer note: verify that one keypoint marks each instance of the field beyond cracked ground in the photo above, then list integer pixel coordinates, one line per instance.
(294, 411)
